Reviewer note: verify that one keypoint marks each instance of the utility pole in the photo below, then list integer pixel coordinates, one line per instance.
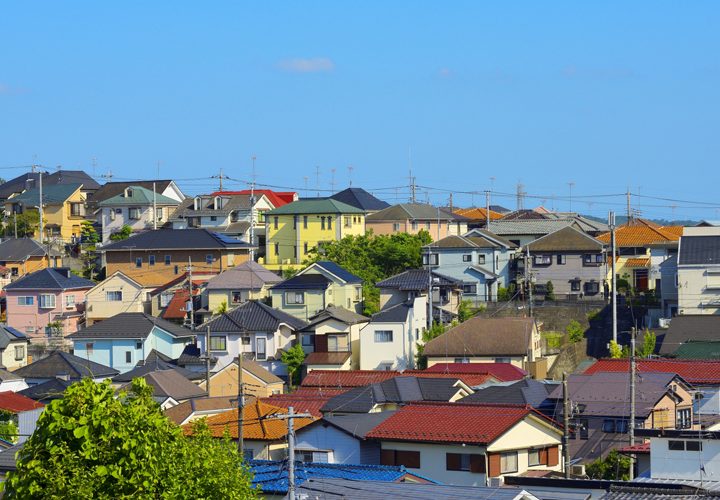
(221, 179)
(571, 184)
(528, 280)
(40, 208)
(207, 360)
(15, 222)
(190, 290)
(629, 211)
(350, 170)
(451, 202)
(290, 416)
(566, 426)
(240, 404)
(487, 209)
(611, 223)
(317, 179)
(332, 180)
(252, 211)
(154, 214)
(632, 400)
(429, 295)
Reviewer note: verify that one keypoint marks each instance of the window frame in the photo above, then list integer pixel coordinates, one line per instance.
(47, 301)
(504, 456)
(168, 260)
(561, 259)
(138, 262)
(21, 350)
(151, 260)
(108, 296)
(296, 296)
(383, 335)
(467, 257)
(218, 340)
(26, 300)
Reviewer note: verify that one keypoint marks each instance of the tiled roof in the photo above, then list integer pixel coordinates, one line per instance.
(171, 384)
(690, 327)
(15, 402)
(454, 241)
(63, 363)
(637, 262)
(7, 376)
(130, 325)
(357, 424)
(19, 249)
(698, 350)
(157, 364)
(253, 316)
(504, 372)
(304, 282)
(327, 358)
(208, 406)
(300, 403)
(484, 234)
(358, 197)
(336, 270)
(71, 177)
(638, 448)
(476, 213)
(484, 337)
(315, 206)
(344, 380)
(699, 250)
(138, 196)
(19, 184)
(177, 307)
(47, 391)
(207, 208)
(51, 279)
(520, 227)
(176, 239)
(639, 233)
(52, 195)
(276, 198)
(694, 371)
(259, 371)
(337, 313)
(9, 334)
(523, 392)
(413, 211)
(417, 279)
(247, 275)
(393, 314)
(256, 425)
(110, 189)
(452, 423)
(566, 239)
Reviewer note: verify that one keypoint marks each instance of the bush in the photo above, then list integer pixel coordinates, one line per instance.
(575, 332)
(549, 291)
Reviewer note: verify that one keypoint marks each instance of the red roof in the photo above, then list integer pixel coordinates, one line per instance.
(15, 403)
(505, 372)
(694, 371)
(320, 391)
(453, 423)
(277, 198)
(177, 308)
(300, 403)
(361, 378)
(638, 448)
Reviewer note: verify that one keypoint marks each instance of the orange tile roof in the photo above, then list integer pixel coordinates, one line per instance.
(638, 262)
(676, 230)
(639, 233)
(256, 424)
(477, 213)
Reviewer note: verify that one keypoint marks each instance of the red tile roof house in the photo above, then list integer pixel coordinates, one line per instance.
(336, 379)
(469, 444)
(24, 411)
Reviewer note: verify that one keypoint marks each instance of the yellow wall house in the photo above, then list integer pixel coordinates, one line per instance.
(294, 229)
(116, 294)
(248, 281)
(24, 256)
(63, 205)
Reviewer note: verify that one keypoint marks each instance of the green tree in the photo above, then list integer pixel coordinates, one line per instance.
(614, 466)
(575, 331)
(293, 358)
(615, 350)
(8, 427)
(28, 223)
(123, 234)
(92, 444)
(435, 331)
(465, 311)
(222, 308)
(88, 233)
(289, 272)
(648, 345)
(549, 291)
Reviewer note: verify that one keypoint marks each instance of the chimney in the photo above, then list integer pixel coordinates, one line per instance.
(65, 271)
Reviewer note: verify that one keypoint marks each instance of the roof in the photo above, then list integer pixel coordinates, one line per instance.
(9, 334)
(138, 195)
(566, 239)
(20, 249)
(110, 189)
(253, 316)
(334, 269)
(479, 214)
(455, 241)
(504, 372)
(357, 424)
(327, 358)
(413, 211)
(315, 206)
(532, 226)
(393, 314)
(416, 279)
(684, 328)
(484, 337)
(51, 278)
(15, 402)
(19, 184)
(47, 391)
(174, 239)
(8, 459)
(453, 423)
(639, 233)
(337, 313)
(276, 198)
(71, 177)
(636, 262)
(52, 195)
(359, 198)
(699, 250)
(301, 403)
(304, 282)
(256, 425)
(177, 308)
(247, 275)
(260, 372)
(6, 376)
(698, 350)
(523, 392)
(345, 380)
(130, 325)
(172, 384)
(63, 363)
(207, 207)
(157, 363)
(694, 371)
(207, 406)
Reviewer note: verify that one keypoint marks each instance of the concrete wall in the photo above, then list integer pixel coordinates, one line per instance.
(694, 294)
(670, 464)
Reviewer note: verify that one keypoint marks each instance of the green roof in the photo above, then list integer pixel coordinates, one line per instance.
(316, 206)
(140, 196)
(698, 350)
(54, 193)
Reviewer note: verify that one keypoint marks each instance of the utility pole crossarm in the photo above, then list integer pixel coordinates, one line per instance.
(290, 416)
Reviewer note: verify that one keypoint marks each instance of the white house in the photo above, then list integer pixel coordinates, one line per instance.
(698, 271)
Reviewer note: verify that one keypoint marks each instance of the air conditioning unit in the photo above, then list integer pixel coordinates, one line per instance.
(577, 470)
(497, 482)
(664, 322)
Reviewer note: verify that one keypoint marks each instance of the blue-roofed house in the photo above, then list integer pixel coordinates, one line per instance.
(320, 285)
(13, 348)
(359, 198)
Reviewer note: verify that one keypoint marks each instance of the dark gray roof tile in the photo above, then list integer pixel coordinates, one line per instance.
(19, 249)
(176, 239)
(130, 325)
(52, 278)
(253, 316)
(63, 363)
(417, 279)
(359, 198)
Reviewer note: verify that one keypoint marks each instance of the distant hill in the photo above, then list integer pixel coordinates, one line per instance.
(621, 219)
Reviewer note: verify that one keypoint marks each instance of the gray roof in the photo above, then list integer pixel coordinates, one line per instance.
(417, 279)
(337, 313)
(315, 206)
(51, 195)
(454, 241)
(19, 184)
(247, 275)
(130, 325)
(567, 239)
(8, 462)
(176, 239)
(19, 249)
(523, 392)
(47, 391)
(110, 189)
(9, 334)
(52, 278)
(394, 314)
(72, 177)
(335, 269)
(685, 328)
(138, 195)
(7, 376)
(480, 336)
(253, 316)
(699, 250)
(359, 198)
(413, 211)
(531, 226)
(171, 384)
(63, 363)
(357, 424)
(157, 364)
(229, 204)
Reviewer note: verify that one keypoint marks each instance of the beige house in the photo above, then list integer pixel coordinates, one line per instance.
(63, 209)
(332, 339)
(415, 217)
(248, 281)
(258, 381)
(114, 295)
(13, 348)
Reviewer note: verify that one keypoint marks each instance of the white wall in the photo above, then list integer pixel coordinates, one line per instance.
(693, 296)
(667, 464)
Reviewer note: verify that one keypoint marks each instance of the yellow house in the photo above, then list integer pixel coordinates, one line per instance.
(116, 294)
(296, 228)
(63, 208)
(248, 281)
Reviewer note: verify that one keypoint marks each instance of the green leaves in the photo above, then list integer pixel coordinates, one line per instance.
(293, 358)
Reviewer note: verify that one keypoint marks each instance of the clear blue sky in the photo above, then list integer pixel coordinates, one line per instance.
(607, 96)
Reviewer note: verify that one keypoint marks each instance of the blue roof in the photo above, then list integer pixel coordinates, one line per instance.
(52, 278)
(272, 475)
(338, 271)
(303, 282)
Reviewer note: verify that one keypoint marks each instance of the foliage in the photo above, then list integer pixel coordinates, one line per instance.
(91, 444)
(553, 340)
(27, 223)
(289, 272)
(648, 345)
(222, 308)
(55, 328)
(88, 233)
(614, 466)
(123, 234)
(615, 350)
(294, 358)
(465, 311)
(503, 294)
(374, 258)
(8, 427)
(549, 291)
(594, 315)
(435, 331)
(575, 331)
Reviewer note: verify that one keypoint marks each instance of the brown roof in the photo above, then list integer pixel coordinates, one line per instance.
(257, 369)
(566, 239)
(640, 232)
(475, 213)
(637, 262)
(327, 358)
(484, 337)
(208, 406)
(170, 383)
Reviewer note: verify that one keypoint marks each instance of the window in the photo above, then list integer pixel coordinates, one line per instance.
(410, 459)
(209, 259)
(542, 260)
(246, 341)
(683, 420)
(348, 221)
(713, 280)
(277, 248)
(689, 445)
(431, 259)
(575, 285)
(213, 218)
(275, 222)
(329, 221)
(133, 213)
(69, 301)
(592, 259)
(383, 336)
(676, 445)
(151, 260)
(561, 259)
(308, 340)
(396, 227)
(26, 301)
(305, 220)
(90, 347)
(77, 209)
(616, 426)
(218, 343)
(47, 301)
(138, 345)
(470, 288)
(508, 462)
(470, 462)
(128, 356)
(168, 260)
(294, 298)
(115, 296)
(537, 456)
(177, 270)
(305, 247)
(414, 225)
(502, 360)
(158, 214)
(322, 222)
(591, 287)
(427, 225)
(19, 352)
(337, 343)
(481, 259)
(582, 429)
(312, 456)
(239, 297)
(467, 258)
(138, 262)
(15, 271)
(461, 360)
(295, 221)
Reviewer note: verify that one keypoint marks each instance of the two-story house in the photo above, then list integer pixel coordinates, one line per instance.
(136, 207)
(574, 262)
(296, 228)
(24, 256)
(415, 217)
(446, 291)
(47, 304)
(320, 285)
(698, 271)
(163, 187)
(331, 340)
(239, 284)
(359, 198)
(116, 294)
(63, 209)
(13, 348)
(480, 260)
(153, 258)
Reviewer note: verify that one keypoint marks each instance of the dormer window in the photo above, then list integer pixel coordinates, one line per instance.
(128, 193)
(218, 203)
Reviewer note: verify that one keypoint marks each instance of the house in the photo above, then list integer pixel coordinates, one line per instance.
(25, 256)
(698, 272)
(65, 366)
(166, 297)
(601, 410)
(63, 209)
(197, 408)
(318, 286)
(256, 330)
(296, 228)
(258, 381)
(334, 382)
(126, 338)
(359, 198)
(523, 231)
(163, 187)
(136, 207)
(466, 444)
(331, 339)
(11, 382)
(488, 340)
(47, 305)
(502, 372)
(528, 392)
(170, 388)
(686, 329)
(415, 217)
(446, 292)
(156, 362)
(154, 258)
(481, 260)
(572, 261)
(47, 391)
(13, 348)
(234, 286)
(23, 411)
(31, 180)
(116, 294)
(389, 341)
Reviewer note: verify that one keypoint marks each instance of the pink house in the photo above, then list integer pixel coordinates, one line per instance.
(47, 304)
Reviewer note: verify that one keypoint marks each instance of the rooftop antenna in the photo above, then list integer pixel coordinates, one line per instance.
(107, 176)
(350, 170)
(332, 180)
(317, 179)
(520, 195)
(492, 183)
(158, 171)
(571, 184)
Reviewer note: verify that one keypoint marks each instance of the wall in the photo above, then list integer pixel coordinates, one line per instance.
(216, 297)
(224, 383)
(450, 263)
(30, 265)
(515, 360)
(98, 307)
(693, 295)
(431, 226)
(668, 464)
(274, 340)
(562, 274)
(8, 355)
(112, 221)
(345, 448)
(32, 320)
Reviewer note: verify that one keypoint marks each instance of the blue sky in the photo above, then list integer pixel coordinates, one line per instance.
(606, 95)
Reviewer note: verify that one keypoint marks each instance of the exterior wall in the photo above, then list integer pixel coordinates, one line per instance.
(450, 263)
(671, 464)
(113, 219)
(99, 308)
(406, 226)
(343, 367)
(28, 266)
(669, 286)
(216, 297)
(32, 320)
(224, 383)
(343, 448)
(694, 294)
(160, 273)
(9, 358)
(561, 275)
(710, 402)
(59, 214)
(282, 339)
(27, 423)
(266, 450)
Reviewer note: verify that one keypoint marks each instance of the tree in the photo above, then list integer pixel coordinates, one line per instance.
(91, 444)
(549, 291)
(435, 331)
(615, 350)
(88, 233)
(614, 466)
(28, 223)
(123, 234)
(465, 311)
(293, 358)
(8, 427)
(648, 345)
(222, 308)
(575, 331)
